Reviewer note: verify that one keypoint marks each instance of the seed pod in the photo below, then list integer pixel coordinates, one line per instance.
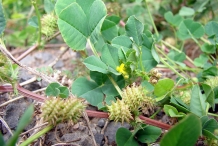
(133, 96)
(119, 112)
(49, 24)
(56, 110)
(213, 82)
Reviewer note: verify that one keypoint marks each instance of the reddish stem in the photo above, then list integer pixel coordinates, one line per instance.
(90, 113)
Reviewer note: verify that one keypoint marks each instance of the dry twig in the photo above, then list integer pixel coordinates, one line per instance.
(6, 125)
(88, 124)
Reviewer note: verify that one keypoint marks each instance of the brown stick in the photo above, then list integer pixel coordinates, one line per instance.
(27, 52)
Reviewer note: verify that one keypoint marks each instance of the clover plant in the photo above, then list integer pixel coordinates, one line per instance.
(124, 79)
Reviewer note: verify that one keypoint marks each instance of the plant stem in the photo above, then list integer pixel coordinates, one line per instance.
(34, 2)
(92, 48)
(151, 18)
(115, 85)
(196, 41)
(37, 135)
(152, 116)
(170, 61)
(212, 114)
(140, 57)
(204, 40)
(174, 48)
(196, 70)
(165, 63)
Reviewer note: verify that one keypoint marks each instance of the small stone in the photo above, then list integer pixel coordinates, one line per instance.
(112, 128)
(76, 126)
(82, 128)
(13, 113)
(101, 122)
(23, 75)
(84, 140)
(28, 60)
(50, 138)
(98, 129)
(99, 138)
(44, 56)
(59, 64)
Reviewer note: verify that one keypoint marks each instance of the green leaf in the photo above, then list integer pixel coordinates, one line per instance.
(109, 89)
(184, 133)
(186, 11)
(149, 87)
(24, 120)
(2, 142)
(198, 102)
(88, 90)
(123, 42)
(64, 92)
(200, 5)
(210, 125)
(109, 56)
(209, 93)
(125, 138)
(2, 19)
(179, 104)
(33, 21)
(189, 28)
(173, 20)
(114, 19)
(109, 30)
(176, 56)
(211, 71)
(148, 134)
(163, 87)
(208, 48)
(93, 63)
(209, 134)
(98, 77)
(201, 60)
(49, 6)
(148, 61)
(52, 89)
(172, 111)
(109, 99)
(134, 28)
(211, 28)
(76, 30)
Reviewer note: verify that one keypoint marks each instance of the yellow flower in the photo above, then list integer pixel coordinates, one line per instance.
(121, 69)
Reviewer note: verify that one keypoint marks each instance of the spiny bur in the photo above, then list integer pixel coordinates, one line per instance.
(134, 98)
(119, 112)
(56, 110)
(213, 82)
(49, 24)
(186, 96)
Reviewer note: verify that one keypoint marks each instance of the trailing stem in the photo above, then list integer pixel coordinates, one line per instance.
(151, 18)
(34, 2)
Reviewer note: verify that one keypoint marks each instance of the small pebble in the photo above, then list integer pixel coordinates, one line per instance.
(101, 123)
